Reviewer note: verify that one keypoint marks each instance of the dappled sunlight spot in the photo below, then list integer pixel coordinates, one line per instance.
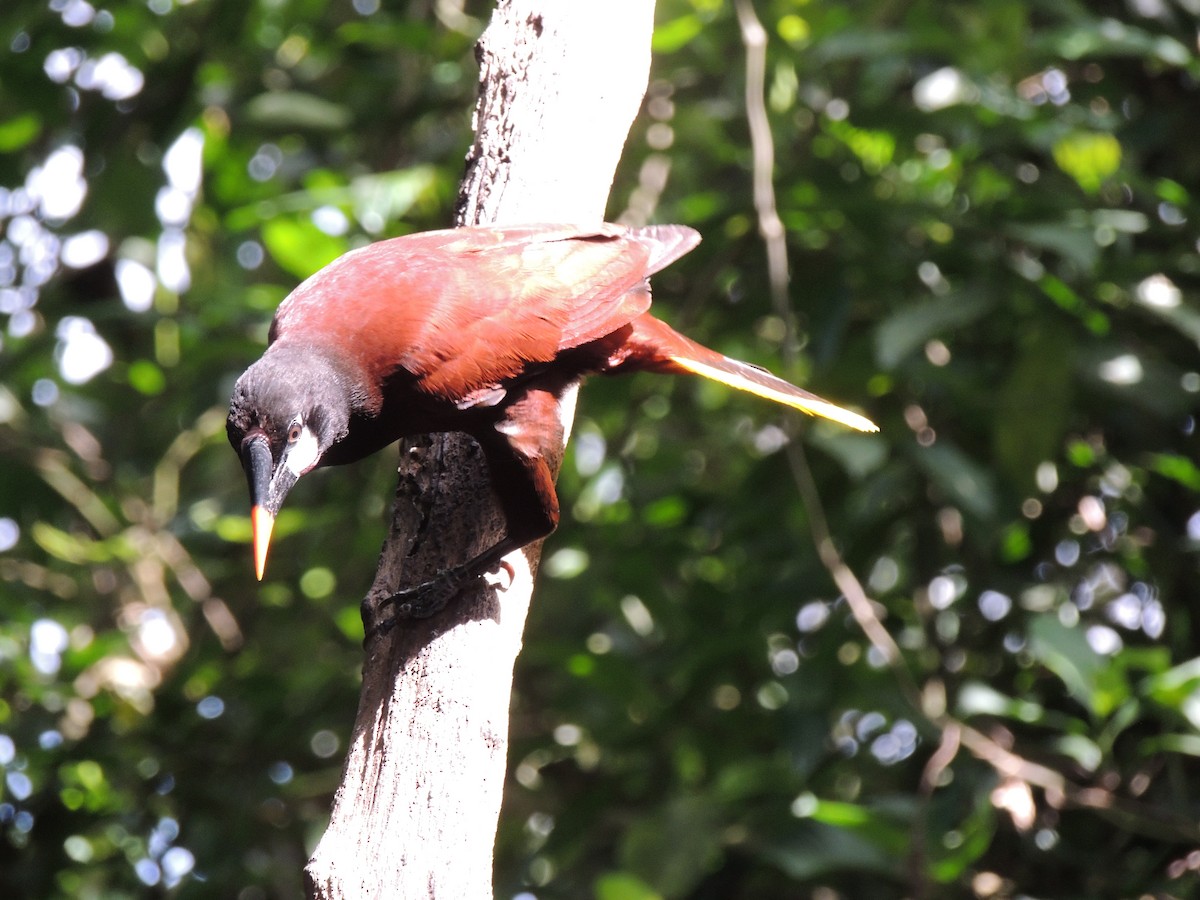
(944, 87)
(1158, 291)
(566, 563)
(812, 616)
(1014, 797)
(782, 656)
(1046, 477)
(1104, 640)
(148, 872)
(156, 637)
(48, 640)
(172, 267)
(885, 575)
(1193, 526)
(994, 605)
(172, 206)
(770, 439)
(10, 533)
(62, 63)
(130, 679)
(210, 707)
(943, 591)
(771, 696)
(599, 643)
(637, 614)
(324, 743)
(44, 392)
(183, 166)
(74, 13)
(265, 162)
(590, 450)
(331, 220)
(19, 785)
(1066, 553)
(1092, 512)
(726, 697)
(896, 744)
(937, 353)
(280, 772)
(567, 735)
(81, 353)
(137, 285)
(84, 249)
(950, 521)
(182, 163)
(1170, 214)
(250, 255)
(112, 75)
(57, 186)
(1050, 86)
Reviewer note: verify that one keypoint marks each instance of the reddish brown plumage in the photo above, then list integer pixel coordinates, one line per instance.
(476, 330)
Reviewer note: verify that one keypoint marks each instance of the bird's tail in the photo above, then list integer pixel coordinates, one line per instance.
(657, 346)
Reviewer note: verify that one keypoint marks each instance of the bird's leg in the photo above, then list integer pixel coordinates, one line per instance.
(523, 482)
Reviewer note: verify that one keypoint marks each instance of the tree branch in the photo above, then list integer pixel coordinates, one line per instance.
(416, 813)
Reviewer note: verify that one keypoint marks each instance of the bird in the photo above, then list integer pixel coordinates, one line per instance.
(480, 330)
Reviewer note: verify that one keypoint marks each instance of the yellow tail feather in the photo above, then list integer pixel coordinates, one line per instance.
(746, 377)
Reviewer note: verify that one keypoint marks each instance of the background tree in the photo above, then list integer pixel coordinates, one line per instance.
(989, 214)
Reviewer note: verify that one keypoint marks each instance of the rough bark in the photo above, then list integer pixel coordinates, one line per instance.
(416, 812)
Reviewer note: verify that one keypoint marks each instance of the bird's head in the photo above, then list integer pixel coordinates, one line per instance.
(287, 410)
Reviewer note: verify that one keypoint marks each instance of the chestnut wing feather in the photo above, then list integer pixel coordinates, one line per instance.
(466, 309)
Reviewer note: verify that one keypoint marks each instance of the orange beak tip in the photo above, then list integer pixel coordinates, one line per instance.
(262, 522)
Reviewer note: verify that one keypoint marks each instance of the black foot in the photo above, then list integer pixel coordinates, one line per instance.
(417, 602)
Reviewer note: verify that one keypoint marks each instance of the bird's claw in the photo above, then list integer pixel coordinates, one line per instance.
(417, 602)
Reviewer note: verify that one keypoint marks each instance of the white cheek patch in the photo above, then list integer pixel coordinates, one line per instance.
(303, 453)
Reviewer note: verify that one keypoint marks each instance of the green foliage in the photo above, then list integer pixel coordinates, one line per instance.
(990, 215)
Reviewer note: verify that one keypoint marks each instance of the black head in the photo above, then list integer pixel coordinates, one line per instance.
(287, 410)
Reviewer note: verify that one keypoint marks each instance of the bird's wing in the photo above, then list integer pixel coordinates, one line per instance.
(508, 299)
(464, 310)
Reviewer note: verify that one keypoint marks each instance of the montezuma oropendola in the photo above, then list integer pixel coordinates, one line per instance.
(478, 330)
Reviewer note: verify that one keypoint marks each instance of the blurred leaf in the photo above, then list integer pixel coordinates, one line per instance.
(815, 850)
(623, 886)
(909, 328)
(674, 848)
(1110, 37)
(1178, 468)
(964, 482)
(299, 246)
(672, 36)
(858, 454)
(1178, 688)
(284, 110)
(1091, 678)
(1074, 240)
(1088, 157)
(972, 838)
(979, 699)
(19, 131)
(1033, 407)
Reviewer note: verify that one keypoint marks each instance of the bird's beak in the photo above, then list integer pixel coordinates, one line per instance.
(268, 487)
(263, 522)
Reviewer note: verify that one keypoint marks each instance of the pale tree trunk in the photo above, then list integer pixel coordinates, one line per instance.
(416, 812)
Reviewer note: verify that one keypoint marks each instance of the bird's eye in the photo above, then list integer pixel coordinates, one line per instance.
(294, 432)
